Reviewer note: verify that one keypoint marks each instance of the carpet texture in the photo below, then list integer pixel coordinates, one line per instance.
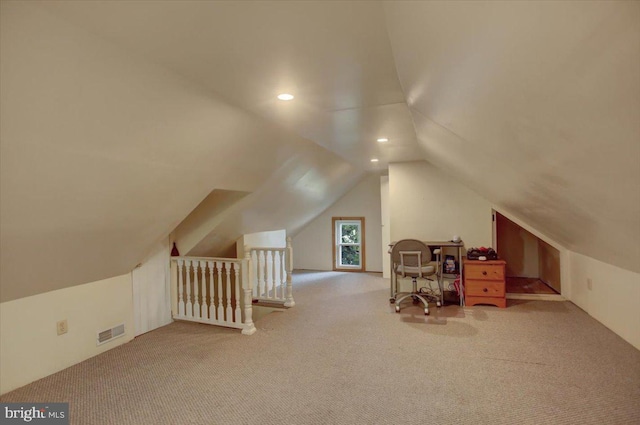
(343, 356)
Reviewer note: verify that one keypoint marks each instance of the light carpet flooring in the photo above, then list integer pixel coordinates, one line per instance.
(343, 356)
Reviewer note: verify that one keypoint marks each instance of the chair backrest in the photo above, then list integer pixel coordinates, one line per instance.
(410, 253)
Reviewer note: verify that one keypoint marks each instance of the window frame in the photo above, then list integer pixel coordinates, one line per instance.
(336, 223)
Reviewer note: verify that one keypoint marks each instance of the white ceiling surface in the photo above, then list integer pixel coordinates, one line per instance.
(335, 57)
(533, 105)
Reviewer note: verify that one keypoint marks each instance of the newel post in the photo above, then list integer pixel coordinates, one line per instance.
(247, 279)
(289, 302)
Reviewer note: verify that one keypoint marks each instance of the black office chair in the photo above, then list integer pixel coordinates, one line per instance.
(412, 258)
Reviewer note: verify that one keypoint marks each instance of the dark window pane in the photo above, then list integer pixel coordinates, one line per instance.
(350, 255)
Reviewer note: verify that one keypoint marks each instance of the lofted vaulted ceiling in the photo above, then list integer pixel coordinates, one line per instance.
(334, 56)
(119, 118)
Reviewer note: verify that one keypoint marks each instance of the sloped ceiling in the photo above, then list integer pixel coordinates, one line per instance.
(334, 56)
(119, 118)
(535, 105)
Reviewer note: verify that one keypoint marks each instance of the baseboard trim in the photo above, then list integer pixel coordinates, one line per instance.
(536, 297)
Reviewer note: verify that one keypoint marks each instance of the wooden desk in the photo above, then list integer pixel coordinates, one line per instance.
(393, 282)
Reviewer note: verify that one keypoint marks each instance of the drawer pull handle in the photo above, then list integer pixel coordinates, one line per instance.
(484, 289)
(484, 273)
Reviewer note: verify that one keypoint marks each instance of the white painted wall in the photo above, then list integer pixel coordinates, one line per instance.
(28, 326)
(151, 293)
(613, 299)
(386, 228)
(312, 245)
(427, 204)
(269, 239)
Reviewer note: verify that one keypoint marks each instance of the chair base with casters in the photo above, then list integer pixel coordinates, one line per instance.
(416, 296)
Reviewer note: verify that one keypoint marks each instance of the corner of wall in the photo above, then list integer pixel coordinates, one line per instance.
(607, 293)
(28, 326)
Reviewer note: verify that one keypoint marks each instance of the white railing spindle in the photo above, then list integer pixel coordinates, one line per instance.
(196, 290)
(261, 264)
(223, 295)
(253, 266)
(180, 288)
(212, 311)
(188, 305)
(283, 274)
(220, 299)
(268, 258)
(203, 281)
(237, 317)
(227, 267)
(273, 269)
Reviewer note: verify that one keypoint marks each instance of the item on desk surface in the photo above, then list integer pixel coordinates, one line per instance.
(456, 284)
(456, 238)
(487, 253)
(452, 291)
(449, 265)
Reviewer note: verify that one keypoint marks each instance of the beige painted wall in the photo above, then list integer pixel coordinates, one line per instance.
(613, 299)
(549, 265)
(204, 217)
(312, 245)
(268, 239)
(427, 204)
(28, 328)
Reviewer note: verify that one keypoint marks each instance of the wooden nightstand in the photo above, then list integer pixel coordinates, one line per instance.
(484, 282)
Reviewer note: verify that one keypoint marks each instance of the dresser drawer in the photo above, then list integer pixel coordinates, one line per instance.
(484, 271)
(484, 288)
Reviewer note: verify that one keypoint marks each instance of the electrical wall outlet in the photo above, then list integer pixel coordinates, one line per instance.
(589, 284)
(62, 327)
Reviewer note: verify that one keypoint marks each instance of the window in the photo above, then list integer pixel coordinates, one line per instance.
(348, 243)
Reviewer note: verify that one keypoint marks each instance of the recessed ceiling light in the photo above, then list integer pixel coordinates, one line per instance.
(374, 160)
(285, 96)
(382, 140)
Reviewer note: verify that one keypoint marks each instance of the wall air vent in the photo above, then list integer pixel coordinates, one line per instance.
(109, 334)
